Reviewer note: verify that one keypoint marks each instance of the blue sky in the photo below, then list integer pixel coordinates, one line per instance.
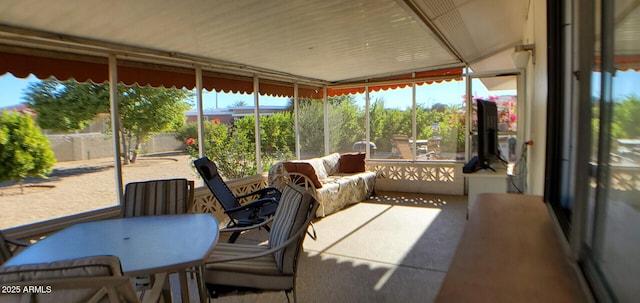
(624, 84)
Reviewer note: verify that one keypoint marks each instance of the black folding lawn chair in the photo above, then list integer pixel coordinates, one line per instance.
(240, 215)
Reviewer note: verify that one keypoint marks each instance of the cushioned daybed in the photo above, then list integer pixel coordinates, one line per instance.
(336, 180)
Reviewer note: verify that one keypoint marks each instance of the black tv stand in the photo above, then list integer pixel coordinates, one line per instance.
(471, 166)
(487, 167)
(475, 165)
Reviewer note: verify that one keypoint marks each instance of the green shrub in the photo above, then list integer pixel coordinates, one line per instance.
(232, 148)
(24, 150)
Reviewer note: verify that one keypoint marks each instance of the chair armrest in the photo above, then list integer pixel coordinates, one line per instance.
(292, 238)
(262, 192)
(255, 204)
(260, 202)
(17, 243)
(243, 228)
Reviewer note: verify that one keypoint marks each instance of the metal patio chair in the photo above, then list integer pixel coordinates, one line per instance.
(246, 214)
(235, 267)
(153, 198)
(158, 197)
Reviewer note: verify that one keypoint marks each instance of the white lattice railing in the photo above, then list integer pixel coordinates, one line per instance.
(437, 177)
(205, 202)
(433, 177)
(625, 178)
(425, 177)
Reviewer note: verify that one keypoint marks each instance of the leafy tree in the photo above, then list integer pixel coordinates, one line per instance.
(395, 122)
(148, 110)
(222, 146)
(344, 129)
(69, 105)
(376, 115)
(625, 114)
(384, 123)
(311, 126)
(450, 120)
(239, 103)
(66, 106)
(346, 124)
(232, 147)
(277, 133)
(24, 150)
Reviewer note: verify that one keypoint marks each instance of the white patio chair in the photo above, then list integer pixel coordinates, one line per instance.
(83, 280)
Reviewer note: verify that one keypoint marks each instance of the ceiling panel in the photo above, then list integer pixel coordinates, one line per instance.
(330, 40)
(627, 35)
(477, 28)
(498, 62)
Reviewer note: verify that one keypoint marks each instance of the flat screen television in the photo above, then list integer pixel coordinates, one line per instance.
(488, 151)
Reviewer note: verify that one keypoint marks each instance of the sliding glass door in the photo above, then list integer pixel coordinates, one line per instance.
(611, 246)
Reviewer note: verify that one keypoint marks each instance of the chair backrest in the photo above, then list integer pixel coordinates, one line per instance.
(91, 279)
(209, 172)
(5, 252)
(158, 197)
(402, 144)
(296, 210)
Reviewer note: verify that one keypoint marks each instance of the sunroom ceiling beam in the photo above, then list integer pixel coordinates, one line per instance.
(418, 14)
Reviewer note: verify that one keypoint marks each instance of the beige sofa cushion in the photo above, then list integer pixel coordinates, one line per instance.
(343, 189)
(331, 163)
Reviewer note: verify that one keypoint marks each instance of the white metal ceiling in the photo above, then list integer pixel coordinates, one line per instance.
(329, 40)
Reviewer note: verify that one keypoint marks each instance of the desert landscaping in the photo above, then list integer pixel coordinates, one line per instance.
(80, 186)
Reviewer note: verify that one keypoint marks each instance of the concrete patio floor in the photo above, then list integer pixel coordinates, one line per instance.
(395, 247)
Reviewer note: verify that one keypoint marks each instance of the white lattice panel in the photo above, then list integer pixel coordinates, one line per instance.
(424, 177)
(206, 203)
(626, 178)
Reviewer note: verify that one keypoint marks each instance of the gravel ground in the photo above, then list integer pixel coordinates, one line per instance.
(80, 186)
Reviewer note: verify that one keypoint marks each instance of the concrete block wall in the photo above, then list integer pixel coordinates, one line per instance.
(76, 147)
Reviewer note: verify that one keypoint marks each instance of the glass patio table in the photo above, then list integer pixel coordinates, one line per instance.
(145, 245)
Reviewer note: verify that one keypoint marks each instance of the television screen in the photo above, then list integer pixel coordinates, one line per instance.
(487, 133)
(488, 151)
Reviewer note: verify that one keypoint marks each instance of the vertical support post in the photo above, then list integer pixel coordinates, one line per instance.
(414, 126)
(295, 118)
(200, 109)
(603, 175)
(256, 112)
(115, 124)
(467, 125)
(582, 172)
(522, 127)
(325, 103)
(367, 127)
